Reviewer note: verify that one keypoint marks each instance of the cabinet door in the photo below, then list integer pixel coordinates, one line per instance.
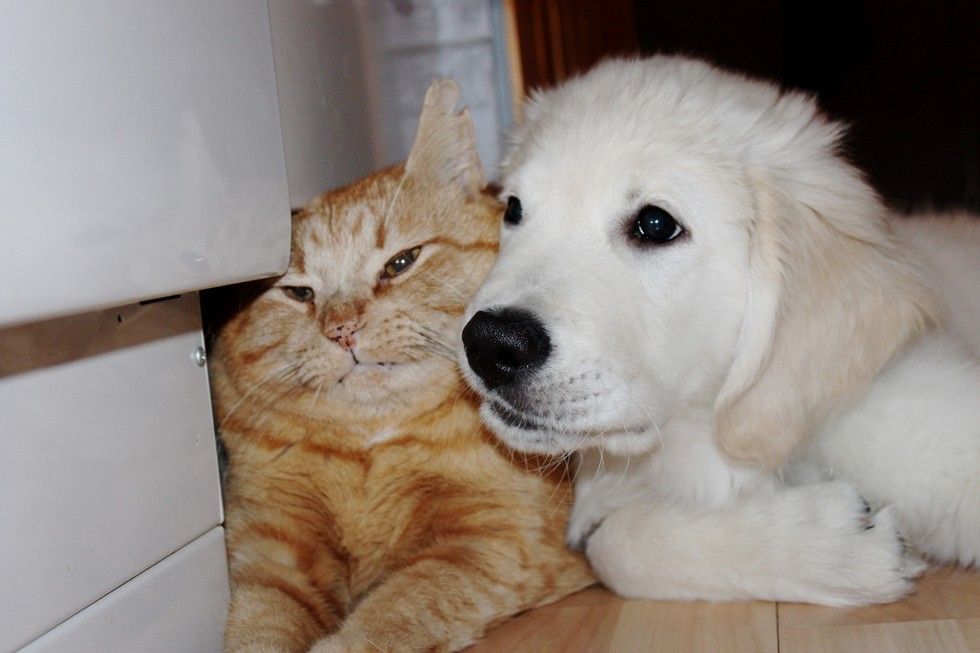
(176, 606)
(330, 118)
(140, 152)
(107, 456)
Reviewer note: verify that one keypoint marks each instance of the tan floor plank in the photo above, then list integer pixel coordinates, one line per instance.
(943, 616)
(971, 633)
(695, 627)
(938, 636)
(595, 620)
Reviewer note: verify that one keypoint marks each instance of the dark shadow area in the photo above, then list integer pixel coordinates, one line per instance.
(38, 345)
(904, 75)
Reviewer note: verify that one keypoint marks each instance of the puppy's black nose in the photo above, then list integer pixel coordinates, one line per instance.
(501, 344)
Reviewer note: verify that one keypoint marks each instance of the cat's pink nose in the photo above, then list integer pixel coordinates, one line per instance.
(343, 334)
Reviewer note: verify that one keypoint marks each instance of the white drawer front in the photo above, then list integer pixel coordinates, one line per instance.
(177, 606)
(330, 121)
(107, 456)
(140, 152)
(352, 75)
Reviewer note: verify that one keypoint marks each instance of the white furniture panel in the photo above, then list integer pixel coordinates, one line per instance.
(323, 67)
(107, 456)
(140, 152)
(176, 606)
(352, 75)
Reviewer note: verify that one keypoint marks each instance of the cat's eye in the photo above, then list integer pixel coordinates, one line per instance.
(299, 293)
(655, 225)
(514, 212)
(400, 262)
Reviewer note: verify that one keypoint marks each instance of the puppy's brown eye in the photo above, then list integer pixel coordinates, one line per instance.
(655, 226)
(299, 293)
(400, 262)
(514, 212)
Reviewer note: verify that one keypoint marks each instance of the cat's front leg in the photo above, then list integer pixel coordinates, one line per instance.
(440, 602)
(277, 607)
(449, 594)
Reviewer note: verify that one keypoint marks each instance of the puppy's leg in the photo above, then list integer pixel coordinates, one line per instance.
(815, 544)
(914, 442)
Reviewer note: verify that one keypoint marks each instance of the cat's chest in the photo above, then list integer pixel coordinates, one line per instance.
(391, 512)
(389, 496)
(388, 501)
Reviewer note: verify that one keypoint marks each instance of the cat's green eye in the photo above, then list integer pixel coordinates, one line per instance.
(400, 262)
(299, 293)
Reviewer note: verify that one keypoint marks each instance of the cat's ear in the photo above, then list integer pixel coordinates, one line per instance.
(445, 145)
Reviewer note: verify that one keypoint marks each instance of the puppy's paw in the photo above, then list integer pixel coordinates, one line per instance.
(850, 555)
(582, 523)
(578, 540)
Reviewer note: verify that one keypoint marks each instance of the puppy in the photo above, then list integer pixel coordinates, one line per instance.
(698, 294)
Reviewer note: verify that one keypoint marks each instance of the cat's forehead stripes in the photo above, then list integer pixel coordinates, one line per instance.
(488, 245)
(347, 235)
(297, 260)
(364, 208)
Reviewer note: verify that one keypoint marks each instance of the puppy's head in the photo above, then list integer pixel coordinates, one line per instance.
(681, 241)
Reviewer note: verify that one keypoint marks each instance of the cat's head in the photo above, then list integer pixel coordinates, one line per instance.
(365, 322)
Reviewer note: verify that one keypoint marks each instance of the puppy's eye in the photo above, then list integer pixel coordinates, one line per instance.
(299, 293)
(400, 262)
(513, 213)
(654, 225)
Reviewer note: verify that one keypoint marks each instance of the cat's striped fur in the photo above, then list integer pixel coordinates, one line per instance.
(367, 507)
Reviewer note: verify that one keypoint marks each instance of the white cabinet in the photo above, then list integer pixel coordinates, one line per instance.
(352, 75)
(107, 457)
(177, 605)
(140, 152)
(330, 119)
(142, 156)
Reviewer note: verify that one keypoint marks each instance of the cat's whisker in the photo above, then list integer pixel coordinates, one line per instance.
(391, 205)
(283, 370)
(316, 395)
(435, 335)
(565, 478)
(266, 410)
(458, 294)
(434, 345)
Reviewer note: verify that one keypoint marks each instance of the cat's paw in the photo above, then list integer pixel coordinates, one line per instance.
(327, 645)
(338, 643)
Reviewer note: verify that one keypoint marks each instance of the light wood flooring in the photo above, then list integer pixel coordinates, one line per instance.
(942, 616)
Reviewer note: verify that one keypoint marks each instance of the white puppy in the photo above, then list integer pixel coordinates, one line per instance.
(697, 293)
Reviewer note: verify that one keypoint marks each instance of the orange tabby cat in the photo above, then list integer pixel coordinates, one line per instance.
(367, 507)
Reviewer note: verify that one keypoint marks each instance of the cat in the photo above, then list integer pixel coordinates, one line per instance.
(367, 506)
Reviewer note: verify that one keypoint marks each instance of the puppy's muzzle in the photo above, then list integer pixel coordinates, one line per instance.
(504, 345)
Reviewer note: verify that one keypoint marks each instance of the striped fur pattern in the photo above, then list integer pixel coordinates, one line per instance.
(367, 506)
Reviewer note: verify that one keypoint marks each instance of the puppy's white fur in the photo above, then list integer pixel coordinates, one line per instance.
(734, 393)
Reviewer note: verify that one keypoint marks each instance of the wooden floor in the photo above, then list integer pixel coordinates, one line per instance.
(943, 616)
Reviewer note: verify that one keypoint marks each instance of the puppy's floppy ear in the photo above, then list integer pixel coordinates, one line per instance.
(445, 145)
(830, 303)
